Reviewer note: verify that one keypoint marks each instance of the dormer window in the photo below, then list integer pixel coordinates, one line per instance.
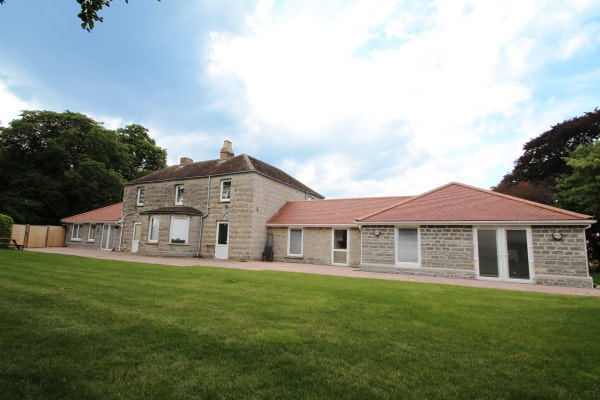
(225, 190)
(179, 195)
(141, 193)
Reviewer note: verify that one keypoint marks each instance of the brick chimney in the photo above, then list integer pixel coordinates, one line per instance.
(185, 161)
(227, 150)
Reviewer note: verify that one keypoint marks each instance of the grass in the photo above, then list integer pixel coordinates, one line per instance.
(77, 328)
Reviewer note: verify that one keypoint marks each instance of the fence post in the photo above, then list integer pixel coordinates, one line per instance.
(26, 238)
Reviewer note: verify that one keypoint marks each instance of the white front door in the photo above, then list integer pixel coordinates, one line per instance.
(137, 235)
(108, 236)
(340, 247)
(222, 245)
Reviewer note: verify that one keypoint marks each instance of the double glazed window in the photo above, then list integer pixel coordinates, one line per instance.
(503, 253)
(407, 246)
(225, 191)
(179, 195)
(141, 194)
(76, 233)
(91, 233)
(295, 242)
(153, 231)
(180, 227)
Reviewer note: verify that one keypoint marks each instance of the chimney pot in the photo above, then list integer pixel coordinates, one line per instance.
(185, 161)
(227, 150)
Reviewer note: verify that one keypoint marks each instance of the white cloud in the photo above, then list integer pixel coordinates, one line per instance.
(433, 76)
(11, 105)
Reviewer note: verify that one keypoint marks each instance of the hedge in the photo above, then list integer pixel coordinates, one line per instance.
(6, 224)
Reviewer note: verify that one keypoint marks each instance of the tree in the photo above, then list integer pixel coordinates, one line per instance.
(89, 11)
(144, 155)
(543, 159)
(580, 191)
(58, 164)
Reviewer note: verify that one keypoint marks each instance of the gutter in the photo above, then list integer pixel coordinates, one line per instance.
(504, 222)
(202, 218)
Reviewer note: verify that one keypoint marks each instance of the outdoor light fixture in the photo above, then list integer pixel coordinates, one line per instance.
(376, 232)
(557, 235)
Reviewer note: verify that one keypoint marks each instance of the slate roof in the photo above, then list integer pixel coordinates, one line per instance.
(110, 213)
(329, 212)
(237, 164)
(457, 202)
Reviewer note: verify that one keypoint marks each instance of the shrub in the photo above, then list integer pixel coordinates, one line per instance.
(6, 224)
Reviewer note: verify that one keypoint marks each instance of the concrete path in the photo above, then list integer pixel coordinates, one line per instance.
(311, 269)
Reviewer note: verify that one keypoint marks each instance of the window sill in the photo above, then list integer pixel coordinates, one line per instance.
(225, 201)
(179, 244)
(75, 240)
(295, 256)
(153, 242)
(91, 241)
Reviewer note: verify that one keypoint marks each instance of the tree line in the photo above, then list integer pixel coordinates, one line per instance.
(561, 167)
(53, 165)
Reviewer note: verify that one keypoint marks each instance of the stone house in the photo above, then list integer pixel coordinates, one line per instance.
(456, 231)
(96, 229)
(230, 207)
(216, 208)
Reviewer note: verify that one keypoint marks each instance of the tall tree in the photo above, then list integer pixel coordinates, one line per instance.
(543, 159)
(144, 155)
(580, 191)
(58, 164)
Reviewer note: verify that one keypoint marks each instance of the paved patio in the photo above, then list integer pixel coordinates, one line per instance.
(311, 269)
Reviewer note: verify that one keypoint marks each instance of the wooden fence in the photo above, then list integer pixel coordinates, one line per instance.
(39, 235)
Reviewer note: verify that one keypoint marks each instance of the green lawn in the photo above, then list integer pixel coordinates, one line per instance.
(77, 328)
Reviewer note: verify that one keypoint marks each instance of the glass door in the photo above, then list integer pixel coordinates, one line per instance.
(340, 247)
(503, 253)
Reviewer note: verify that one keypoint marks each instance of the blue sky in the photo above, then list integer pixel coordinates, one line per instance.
(354, 98)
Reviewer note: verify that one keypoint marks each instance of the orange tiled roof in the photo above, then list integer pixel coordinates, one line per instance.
(456, 202)
(330, 212)
(105, 214)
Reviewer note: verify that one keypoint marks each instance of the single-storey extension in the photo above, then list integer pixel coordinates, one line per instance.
(456, 231)
(96, 229)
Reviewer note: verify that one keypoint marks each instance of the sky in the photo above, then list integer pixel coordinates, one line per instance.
(353, 98)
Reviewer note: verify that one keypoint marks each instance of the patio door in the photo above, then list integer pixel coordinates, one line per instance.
(222, 245)
(108, 237)
(504, 253)
(340, 247)
(137, 236)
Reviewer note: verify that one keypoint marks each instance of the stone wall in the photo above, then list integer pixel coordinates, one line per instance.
(85, 243)
(560, 262)
(317, 245)
(378, 250)
(447, 247)
(446, 251)
(254, 200)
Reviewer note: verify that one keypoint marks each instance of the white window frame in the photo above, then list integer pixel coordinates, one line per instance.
(150, 225)
(140, 190)
(396, 238)
(502, 246)
(187, 239)
(177, 189)
(289, 241)
(221, 198)
(91, 233)
(76, 237)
